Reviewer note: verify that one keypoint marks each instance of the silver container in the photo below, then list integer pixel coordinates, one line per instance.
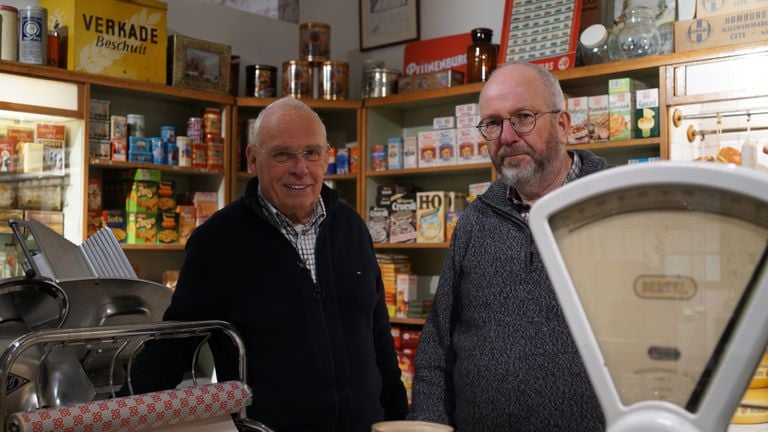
(33, 35)
(9, 35)
(381, 82)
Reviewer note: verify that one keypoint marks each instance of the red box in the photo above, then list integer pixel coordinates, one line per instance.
(7, 155)
(433, 55)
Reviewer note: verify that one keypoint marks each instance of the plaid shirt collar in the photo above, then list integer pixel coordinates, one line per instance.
(523, 208)
(286, 225)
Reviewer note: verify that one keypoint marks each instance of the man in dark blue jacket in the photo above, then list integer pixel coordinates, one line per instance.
(294, 270)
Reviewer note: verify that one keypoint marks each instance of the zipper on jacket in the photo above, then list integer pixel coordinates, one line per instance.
(317, 292)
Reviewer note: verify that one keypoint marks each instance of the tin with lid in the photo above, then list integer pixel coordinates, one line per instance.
(9, 34)
(297, 79)
(33, 35)
(334, 80)
(314, 41)
(260, 81)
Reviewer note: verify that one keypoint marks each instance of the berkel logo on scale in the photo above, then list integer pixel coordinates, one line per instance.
(699, 31)
(14, 383)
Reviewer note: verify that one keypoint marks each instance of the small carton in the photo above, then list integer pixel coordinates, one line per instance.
(427, 142)
(402, 218)
(378, 224)
(444, 122)
(407, 291)
(395, 153)
(142, 228)
(599, 118)
(410, 152)
(100, 149)
(622, 120)
(8, 157)
(168, 229)
(118, 127)
(451, 219)
(468, 141)
(142, 197)
(467, 121)
(430, 216)
(469, 109)
(647, 113)
(99, 109)
(186, 217)
(446, 146)
(116, 221)
(52, 137)
(6, 215)
(578, 133)
(166, 196)
(31, 157)
(119, 149)
(624, 85)
(455, 201)
(94, 222)
(94, 193)
(98, 129)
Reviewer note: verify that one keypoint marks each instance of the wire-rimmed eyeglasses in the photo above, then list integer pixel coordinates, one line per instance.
(309, 154)
(522, 122)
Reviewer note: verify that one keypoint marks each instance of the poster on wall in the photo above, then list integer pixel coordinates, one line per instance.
(542, 32)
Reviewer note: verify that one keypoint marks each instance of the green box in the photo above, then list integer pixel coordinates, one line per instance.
(647, 113)
(142, 228)
(625, 85)
(142, 197)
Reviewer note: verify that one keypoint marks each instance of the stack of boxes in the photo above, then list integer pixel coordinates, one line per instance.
(436, 214)
(99, 130)
(391, 266)
(406, 340)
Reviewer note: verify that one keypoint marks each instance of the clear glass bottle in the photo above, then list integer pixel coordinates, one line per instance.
(481, 56)
(638, 37)
(593, 45)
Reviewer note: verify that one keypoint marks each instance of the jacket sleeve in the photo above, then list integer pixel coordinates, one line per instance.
(162, 363)
(433, 393)
(393, 398)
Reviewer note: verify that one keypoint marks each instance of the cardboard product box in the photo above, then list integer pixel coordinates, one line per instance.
(142, 227)
(94, 193)
(448, 122)
(7, 195)
(124, 39)
(706, 9)
(624, 85)
(206, 204)
(446, 147)
(430, 216)
(139, 156)
(406, 293)
(118, 127)
(18, 133)
(622, 116)
(98, 129)
(579, 130)
(647, 113)
(402, 218)
(395, 153)
(378, 224)
(168, 227)
(186, 217)
(451, 219)
(43, 194)
(469, 109)
(428, 149)
(95, 222)
(468, 142)
(119, 149)
(721, 30)
(7, 215)
(467, 121)
(31, 157)
(410, 152)
(455, 201)
(52, 137)
(8, 157)
(166, 196)
(142, 197)
(98, 109)
(599, 118)
(117, 222)
(429, 81)
(52, 219)
(100, 149)
(476, 189)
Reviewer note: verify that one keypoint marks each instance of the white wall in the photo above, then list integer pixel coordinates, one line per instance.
(263, 40)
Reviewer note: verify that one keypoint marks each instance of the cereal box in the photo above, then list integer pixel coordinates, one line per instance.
(378, 224)
(578, 133)
(186, 218)
(117, 222)
(599, 115)
(467, 121)
(94, 222)
(168, 230)
(94, 193)
(622, 116)
(477, 189)
(468, 141)
(402, 218)
(52, 137)
(166, 196)
(430, 216)
(451, 218)
(142, 197)
(142, 228)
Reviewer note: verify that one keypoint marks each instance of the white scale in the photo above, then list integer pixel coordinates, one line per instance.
(662, 272)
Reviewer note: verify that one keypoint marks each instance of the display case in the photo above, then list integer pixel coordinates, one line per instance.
(41, 158)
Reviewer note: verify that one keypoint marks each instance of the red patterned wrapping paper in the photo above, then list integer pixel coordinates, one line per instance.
(140, 412)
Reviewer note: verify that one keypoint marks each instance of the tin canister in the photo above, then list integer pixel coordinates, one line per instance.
(135, 125)
(260, 81)
(184, 151)
(315, 41)
(33, 35)
(215, 152)
(212, 121)
(368, 65)
(199, 155)
(334, 80)
(381, 82)
(158, 150)
(168, 133)
(195, 129)
(297, 79)
(331, 161)
(9, 35)
(171, 153)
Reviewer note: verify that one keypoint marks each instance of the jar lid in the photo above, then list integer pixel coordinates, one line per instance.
(594, 36)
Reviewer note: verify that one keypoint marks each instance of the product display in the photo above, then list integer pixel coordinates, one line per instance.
(481, 56)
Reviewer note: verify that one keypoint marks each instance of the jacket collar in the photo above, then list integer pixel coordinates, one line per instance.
(329, 196)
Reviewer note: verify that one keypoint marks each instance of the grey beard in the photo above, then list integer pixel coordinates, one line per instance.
(513, 176)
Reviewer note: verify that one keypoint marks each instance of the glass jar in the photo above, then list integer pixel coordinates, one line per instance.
(639, 36)
(593, 45)
(481, 56)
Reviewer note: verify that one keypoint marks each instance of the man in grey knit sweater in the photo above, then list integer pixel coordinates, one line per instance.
(496, 353)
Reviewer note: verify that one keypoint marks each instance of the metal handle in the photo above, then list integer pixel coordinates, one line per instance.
(30, 268)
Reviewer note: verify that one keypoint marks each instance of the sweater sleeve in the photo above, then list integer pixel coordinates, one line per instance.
(433, 393)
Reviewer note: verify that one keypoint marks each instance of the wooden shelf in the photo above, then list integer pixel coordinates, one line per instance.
(18, 176)
(431, 170)
(112, 164)
(640, 142)
(254, 102)
(408, 321)
(411, 245)
(154, 247)
(340, 177)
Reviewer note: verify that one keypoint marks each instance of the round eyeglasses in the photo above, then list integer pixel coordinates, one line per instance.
(522, 122)
(310, 154)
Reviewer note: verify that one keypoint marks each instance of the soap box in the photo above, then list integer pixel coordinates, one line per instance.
(647, 113)
(578, 133)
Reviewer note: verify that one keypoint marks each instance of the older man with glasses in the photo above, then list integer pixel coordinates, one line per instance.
(294, 270)
(496, 353)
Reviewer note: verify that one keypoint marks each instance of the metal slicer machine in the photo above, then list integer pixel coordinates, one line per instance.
(661, 270)
(71, 327)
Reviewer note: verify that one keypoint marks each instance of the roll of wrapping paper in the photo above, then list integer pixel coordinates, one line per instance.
(138, 413)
